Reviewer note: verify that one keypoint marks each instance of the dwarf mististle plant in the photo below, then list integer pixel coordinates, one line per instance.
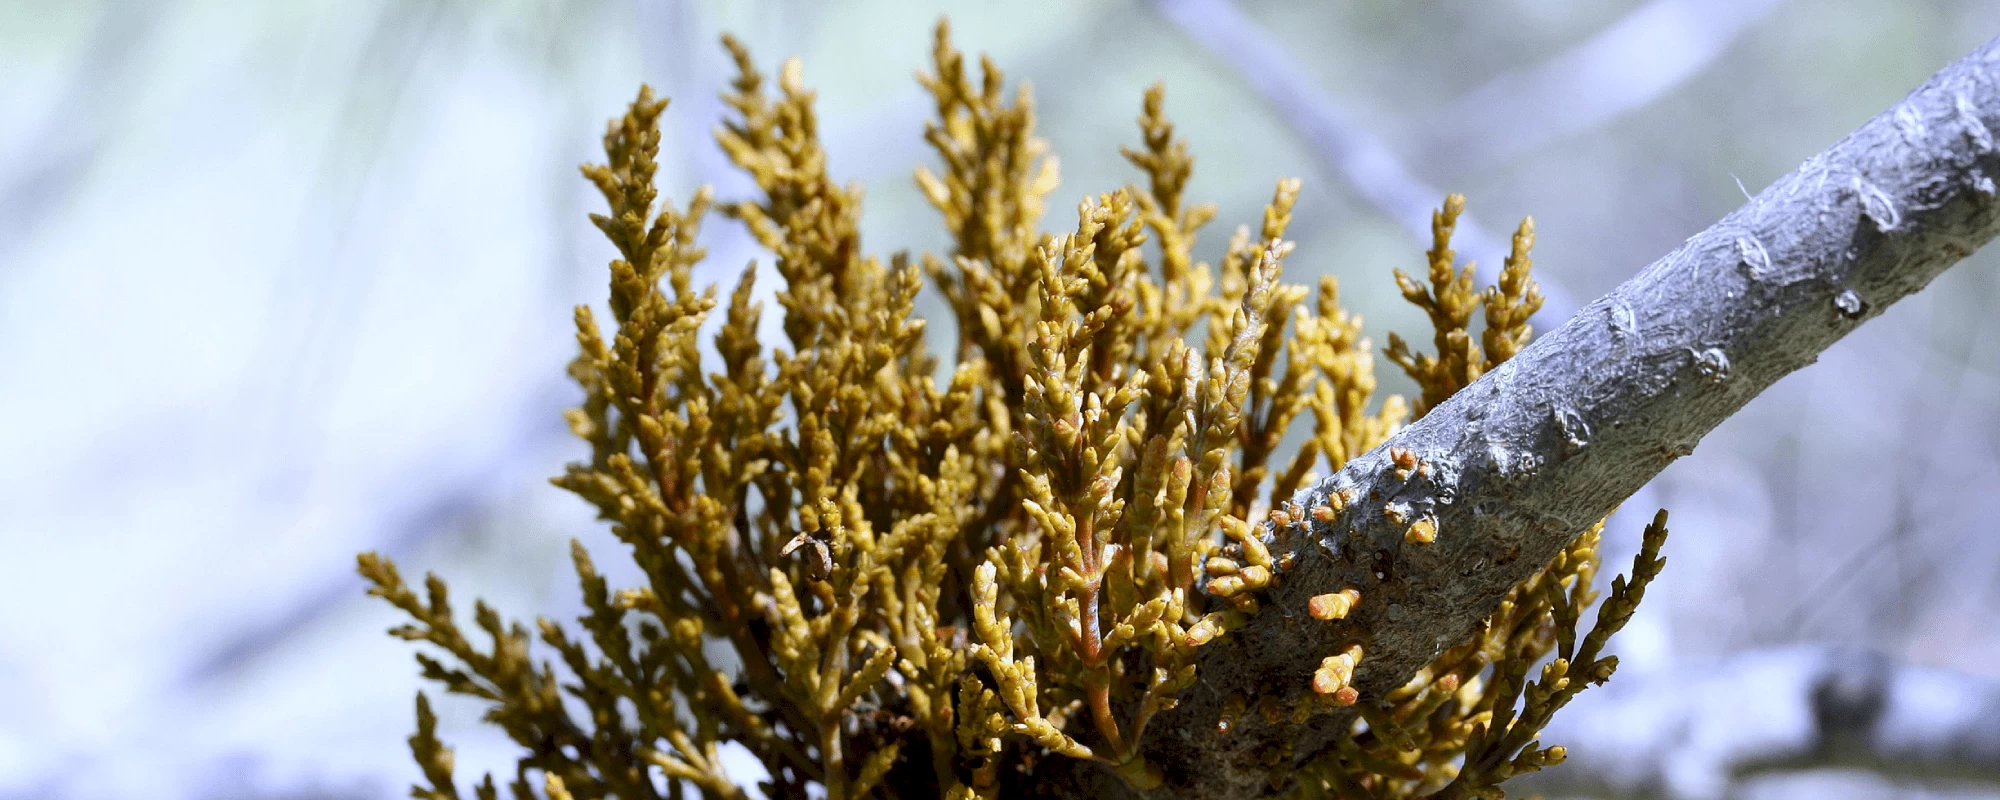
(881, 584)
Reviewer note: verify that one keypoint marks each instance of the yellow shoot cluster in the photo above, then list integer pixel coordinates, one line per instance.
(881, 585)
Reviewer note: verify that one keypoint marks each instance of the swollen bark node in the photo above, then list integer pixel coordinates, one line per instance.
(1520, 462)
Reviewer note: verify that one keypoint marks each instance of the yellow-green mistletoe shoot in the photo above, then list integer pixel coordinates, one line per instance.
(889, 572)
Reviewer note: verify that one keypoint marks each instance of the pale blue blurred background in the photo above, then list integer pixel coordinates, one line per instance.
(284, 281)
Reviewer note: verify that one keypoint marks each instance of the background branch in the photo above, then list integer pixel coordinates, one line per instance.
(1698, 732)
(1362, 161)
(1626, 66)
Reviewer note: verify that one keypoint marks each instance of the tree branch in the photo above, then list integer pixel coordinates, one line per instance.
(1525, 458)
(1694, 734)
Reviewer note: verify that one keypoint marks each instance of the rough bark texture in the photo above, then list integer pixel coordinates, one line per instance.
(1696, 733)
(1521, 461)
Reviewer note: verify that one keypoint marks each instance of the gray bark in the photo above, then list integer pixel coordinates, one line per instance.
(1531, 454)
(1696, 733)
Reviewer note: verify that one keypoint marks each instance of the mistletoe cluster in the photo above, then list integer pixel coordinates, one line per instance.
(884, 577)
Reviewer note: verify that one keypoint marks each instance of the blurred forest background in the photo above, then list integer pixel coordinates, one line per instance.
(280, 282)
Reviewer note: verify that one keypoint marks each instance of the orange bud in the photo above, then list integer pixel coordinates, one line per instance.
(1256, 577)
(1333, 605)
(1405, 460)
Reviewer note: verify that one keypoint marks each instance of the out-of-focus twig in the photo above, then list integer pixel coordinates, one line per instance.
(1912, 472)
(1362, 161)
(306, 344)
(439, 495)
(57, 157)
(1698, 732)
(1625, 66)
